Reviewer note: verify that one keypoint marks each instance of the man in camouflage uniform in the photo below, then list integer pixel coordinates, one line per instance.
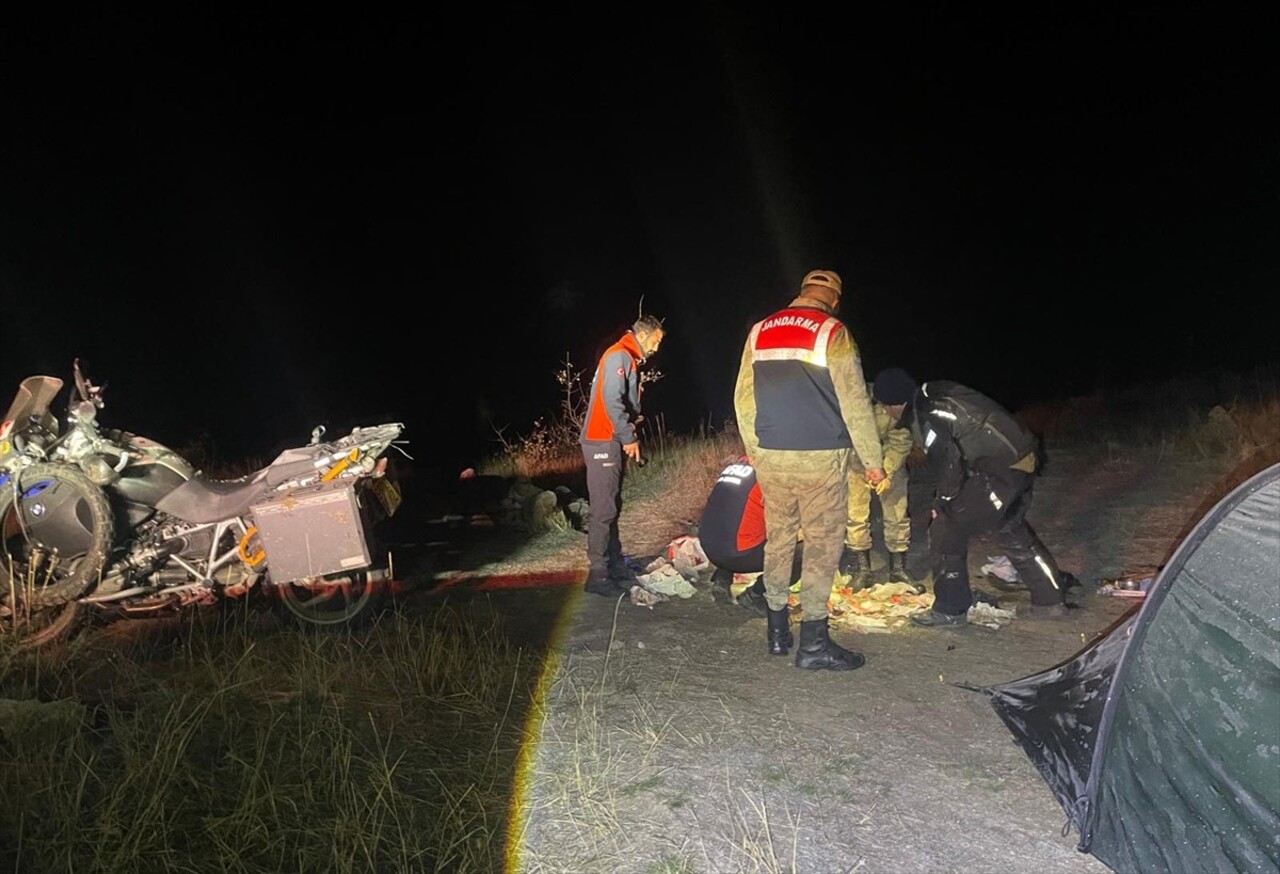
(803, 412)
(891, 392)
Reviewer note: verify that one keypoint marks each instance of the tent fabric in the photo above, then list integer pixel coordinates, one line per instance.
(1161, 739)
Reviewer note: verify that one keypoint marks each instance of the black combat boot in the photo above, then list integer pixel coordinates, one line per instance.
(722, 586)
(780, 639)
(819, 652)
(601, 585)
(752, 598)
(898, 572)
(856, 563)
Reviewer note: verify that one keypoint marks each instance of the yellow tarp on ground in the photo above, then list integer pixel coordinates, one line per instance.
(882, 607)
(878, 608)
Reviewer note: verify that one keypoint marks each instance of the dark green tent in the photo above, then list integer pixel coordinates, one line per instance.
(1161, 739)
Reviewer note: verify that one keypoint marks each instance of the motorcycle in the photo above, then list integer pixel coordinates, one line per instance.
(103, 520)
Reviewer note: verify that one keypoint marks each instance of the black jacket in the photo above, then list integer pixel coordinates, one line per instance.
(963, 432)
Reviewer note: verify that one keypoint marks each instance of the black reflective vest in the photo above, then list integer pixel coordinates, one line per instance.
(963, 431)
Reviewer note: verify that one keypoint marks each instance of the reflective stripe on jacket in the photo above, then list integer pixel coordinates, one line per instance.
(963, 431)
(800, 386)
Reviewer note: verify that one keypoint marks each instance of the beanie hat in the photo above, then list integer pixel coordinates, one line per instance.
(826, 278)
(893, 385)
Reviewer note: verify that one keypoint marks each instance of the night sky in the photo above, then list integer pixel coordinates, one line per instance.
(248, 228)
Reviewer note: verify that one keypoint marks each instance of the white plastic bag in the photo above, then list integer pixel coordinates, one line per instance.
(686, 554)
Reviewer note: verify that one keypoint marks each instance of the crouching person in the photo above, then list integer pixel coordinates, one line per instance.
(731, 532)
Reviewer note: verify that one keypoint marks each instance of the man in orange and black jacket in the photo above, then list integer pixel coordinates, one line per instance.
(608, 438)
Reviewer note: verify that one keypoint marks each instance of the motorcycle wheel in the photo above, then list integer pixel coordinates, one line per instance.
(336, 602)
(56, 530)
(40, 627)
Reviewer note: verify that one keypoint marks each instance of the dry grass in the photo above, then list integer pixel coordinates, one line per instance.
(664, 499)
(251, 747)
(1212, 416)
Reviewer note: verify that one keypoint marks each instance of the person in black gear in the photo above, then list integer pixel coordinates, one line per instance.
(984, 463)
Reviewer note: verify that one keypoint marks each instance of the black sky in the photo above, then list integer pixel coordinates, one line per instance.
(251, 226)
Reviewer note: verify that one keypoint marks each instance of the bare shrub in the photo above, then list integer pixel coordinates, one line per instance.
(551, 447)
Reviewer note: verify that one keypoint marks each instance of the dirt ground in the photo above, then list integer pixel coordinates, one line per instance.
(670, 741)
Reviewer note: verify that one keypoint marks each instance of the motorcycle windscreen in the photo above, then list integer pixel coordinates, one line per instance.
(35, 395)
(34, 398)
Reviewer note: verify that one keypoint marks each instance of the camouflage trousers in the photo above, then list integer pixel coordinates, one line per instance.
(893, 510)
(804, 491)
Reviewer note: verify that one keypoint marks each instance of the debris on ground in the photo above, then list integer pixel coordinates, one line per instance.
(999, 566)
(988, 615)
(877, 608)
(662, 577)
(642, 597)
(1133, 585)
(686, 554)
(673, 577)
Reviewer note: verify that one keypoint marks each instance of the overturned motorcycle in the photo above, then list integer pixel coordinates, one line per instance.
(106, 520)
